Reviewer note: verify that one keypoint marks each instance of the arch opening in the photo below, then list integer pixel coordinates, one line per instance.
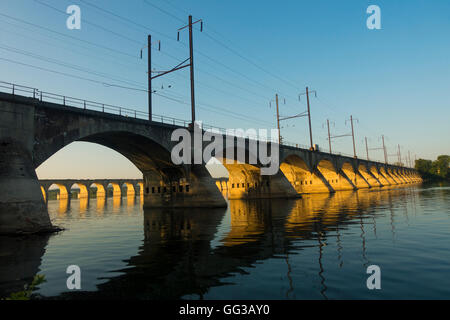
(386, 176)
(60, 193)
(368, 176)
(79, 191)
(57, 191)
(374, 170)
(393, 172)
(97, 190)
(301, 177)
(335, 179)
(246, 182)
(114, 190)
(355, 176)
(128, 189)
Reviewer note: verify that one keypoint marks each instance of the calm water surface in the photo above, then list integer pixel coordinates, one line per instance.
(317, 247)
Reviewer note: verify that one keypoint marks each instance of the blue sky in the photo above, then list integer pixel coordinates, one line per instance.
(395, 81)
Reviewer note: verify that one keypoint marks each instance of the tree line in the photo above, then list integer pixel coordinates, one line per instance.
(434, 170)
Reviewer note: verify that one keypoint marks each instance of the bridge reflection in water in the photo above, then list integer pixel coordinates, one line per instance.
(187, 253)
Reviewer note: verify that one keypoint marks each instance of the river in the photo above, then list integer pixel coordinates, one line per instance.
(316, 247)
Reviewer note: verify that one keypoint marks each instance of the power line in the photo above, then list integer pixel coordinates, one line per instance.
(67, 65)
(163, 11)
(127, 20)
(251, 62)
(204, 106)
(228, 48)
(71, 37)
(163, 52)
(166, 36)
(71, 49)
(88, 42)
(90, 23)
(176, 7)
(56, 72)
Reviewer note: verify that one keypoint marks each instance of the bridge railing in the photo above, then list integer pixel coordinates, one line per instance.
(121, 111)
(68, 101)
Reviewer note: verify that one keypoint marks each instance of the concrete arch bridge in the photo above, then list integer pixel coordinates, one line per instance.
(120, 187)
(305, 172)
(33, 129)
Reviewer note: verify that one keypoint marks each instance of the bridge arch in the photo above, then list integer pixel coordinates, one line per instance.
(116, 188)
(130, 190)
(354, 175)
(83, 190)
(62, 191)
(301, 176)
(333, 175)
(148, 151)
(99, 188)
(368, 175)
(376, 173)
(62, 196)
(394, 173)
(384, 172)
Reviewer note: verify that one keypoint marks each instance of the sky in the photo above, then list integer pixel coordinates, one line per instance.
(395, 81)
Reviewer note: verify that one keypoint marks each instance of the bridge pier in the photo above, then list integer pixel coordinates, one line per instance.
(173, 190)
(22, 206)
(246, 182)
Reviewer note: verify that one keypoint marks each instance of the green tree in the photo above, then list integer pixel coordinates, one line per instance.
(440, 168)
(423, 166)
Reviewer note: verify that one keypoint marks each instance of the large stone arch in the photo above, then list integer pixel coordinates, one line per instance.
(153, 159)
(40, 129)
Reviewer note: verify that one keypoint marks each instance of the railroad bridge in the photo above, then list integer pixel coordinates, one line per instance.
(133, 187)
(34, 125)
